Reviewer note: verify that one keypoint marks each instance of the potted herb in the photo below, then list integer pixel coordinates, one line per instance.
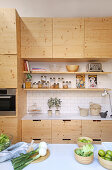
(50, 104)
(57, 105)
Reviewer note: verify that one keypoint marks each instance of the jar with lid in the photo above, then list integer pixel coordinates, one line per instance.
(35, 85)
(60, 81)
(43, 79)
(39, 84)
(69, 84)
(52, 81)
(48, 84)
(28, 83)
(65, 85)
(44, 85)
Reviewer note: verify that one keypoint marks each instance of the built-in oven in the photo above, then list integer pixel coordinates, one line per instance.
(7, 102)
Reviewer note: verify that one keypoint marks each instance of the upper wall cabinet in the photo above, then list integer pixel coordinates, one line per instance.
(36, 38)
(68, 37)
(98, 37)
(8, 39)
(8, 71)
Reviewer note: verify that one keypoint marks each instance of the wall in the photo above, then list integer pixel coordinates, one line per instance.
(60, 8)
(70, 99)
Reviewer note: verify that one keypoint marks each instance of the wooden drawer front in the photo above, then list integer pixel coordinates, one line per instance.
(62, 141)
(106, 127)
(8, 71)
(9, 126)
(68, 37)
(66, 129)
(92, 129)
(38, 129)
(37, 140)
(36, 38)
(8, 40)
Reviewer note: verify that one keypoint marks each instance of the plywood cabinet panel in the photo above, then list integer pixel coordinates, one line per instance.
(8, 40)
(106, 134)
(36, 38)
(9, 126)
(98, 37)
(65, 131)
(68, 37)
(92, 129)
(8, 71)
(38, 130)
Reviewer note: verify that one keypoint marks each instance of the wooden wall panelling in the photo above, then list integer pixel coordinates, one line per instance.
(98, 37)
(8, 71)
(8, 43)
(68, 37)
(36, 38)
(106, 126)
(39, 130)
(92, 129)
(65, 131)
(9, 126)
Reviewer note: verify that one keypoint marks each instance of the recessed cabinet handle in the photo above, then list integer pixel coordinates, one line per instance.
(36, 120)
(96, 120)
(96, 139)
(66, 139)
(66, 120)
(36, 139)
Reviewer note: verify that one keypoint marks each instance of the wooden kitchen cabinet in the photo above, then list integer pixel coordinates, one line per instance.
(8, 71)
(36, 37)
(38, 130)
(98, 37)
(8, 31)
(106, 134)
(65, 131)
(92, 129)
(68, 37)
(9, 126)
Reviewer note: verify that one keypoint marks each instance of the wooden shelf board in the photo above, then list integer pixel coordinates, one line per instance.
(71, 89)
(48, 72)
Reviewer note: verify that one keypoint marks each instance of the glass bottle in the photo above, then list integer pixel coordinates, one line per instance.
(39, 84)
(69, 84)
(52, 81)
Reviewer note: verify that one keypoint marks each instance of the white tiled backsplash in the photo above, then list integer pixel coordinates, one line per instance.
(71, 99)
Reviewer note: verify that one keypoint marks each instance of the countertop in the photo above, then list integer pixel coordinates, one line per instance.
(61, 158)
(62, 117)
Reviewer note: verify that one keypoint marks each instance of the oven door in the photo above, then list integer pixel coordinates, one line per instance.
(7, 103)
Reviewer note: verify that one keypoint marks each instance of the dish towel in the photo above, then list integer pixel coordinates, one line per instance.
(15, 150)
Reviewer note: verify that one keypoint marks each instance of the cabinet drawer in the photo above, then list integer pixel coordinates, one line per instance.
(92, 129)
(66, 129)
(37, 129)
(63, 141)
(106, 134)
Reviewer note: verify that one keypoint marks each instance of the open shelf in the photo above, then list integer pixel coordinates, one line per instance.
(49, 72)
(70, 89)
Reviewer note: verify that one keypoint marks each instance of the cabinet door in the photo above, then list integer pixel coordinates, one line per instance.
(8, 71)
(98, 37)
(65, 131)
(8, 41)
(38, 130)
(68, 37)
(36, 38)
(106, 127)
(9, 126)
(92, 129)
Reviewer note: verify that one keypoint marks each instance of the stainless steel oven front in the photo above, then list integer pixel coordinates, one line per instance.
(7, 102)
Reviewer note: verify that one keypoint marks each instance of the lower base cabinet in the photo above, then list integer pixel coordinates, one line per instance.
(65, 131)
(9, 126)
(92, 129)
(38, 130)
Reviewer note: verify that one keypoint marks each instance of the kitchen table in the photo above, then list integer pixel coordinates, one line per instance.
(61, 158)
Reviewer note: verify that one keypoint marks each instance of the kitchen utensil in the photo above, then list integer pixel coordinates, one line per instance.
(72, 68)
(94, 67)
(105, 163)
(103, 114)
(84, 111)
(84, 160)
(80, 144)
